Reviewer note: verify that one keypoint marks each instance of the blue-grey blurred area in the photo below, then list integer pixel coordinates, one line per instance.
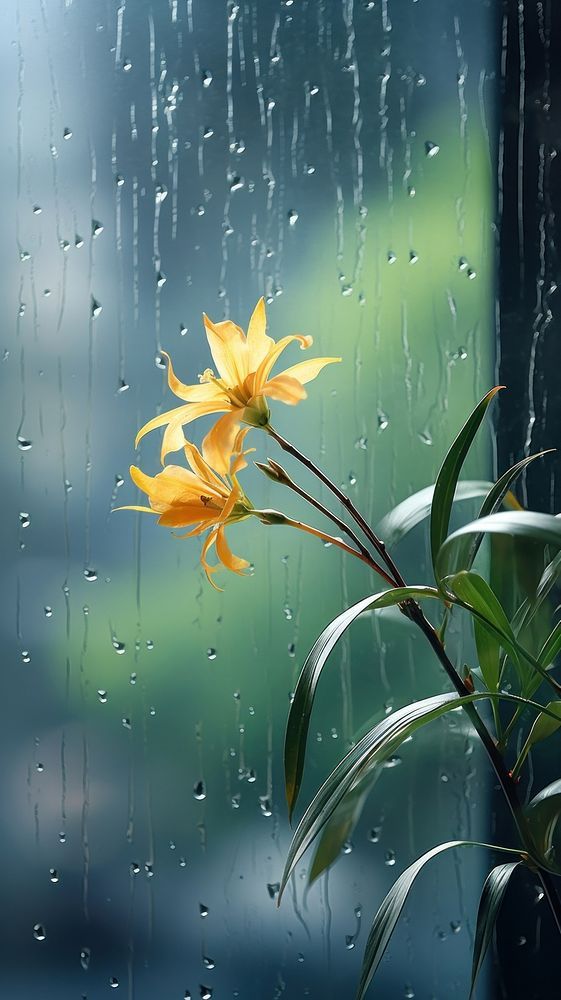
(160, 160)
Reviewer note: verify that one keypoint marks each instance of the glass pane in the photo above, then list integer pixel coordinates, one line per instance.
(165, 159)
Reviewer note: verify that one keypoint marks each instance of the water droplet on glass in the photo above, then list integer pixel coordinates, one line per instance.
(346, 290)
(102, 695)
(67, 486)
(391, 257)
(24, 255)
(462, 264)
(205, 992)
(408, 992)
(431, 149)
(292, 217)
(413, 257)
(352, 479)
(24, 519)
(149, 644)
(119, 180)
(161, 193)
(206, 78)
(90, 575)
(78, 242)
(67, 133)
(40, 768)
(211, 653)
(347, 847)
(149, 869)
(135, 868)
(471, 273)
(113, 982)
(265, 806)
(203, 910)
(208, 962)
(374, 835)
(389, 858)
(126, 722)
(199, 791)
(425, 437)
(455, 926)
(96, 308)
(39, 932)
(127, 66)
(62, 837)
(119, 647)
(349, 942)
(186, 995)
(288, 614)
(23, 443)
(160, 279)
(37, 210)
(97, 228)
(85, 955)
(273, 888)
(48, 611)
(25, 656)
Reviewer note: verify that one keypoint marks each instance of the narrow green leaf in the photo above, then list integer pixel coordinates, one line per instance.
(551, 646)
(542, 813)
(301, 707)
(414, 509)
(375, 747)
(542, 528)
(490, 903)
(447, 478)
(475, 593)
(339, 827)
(543, 727)
(390, 910)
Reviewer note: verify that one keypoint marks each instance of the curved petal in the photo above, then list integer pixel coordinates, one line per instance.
(288, 390)
(305, 371)
(182, 414)
(192, 393)
(226, 556)
(174, 438)
(180, 515)
(218, 444)
(175, 485)
(209, 570)
(229, 350)
(262, 373)
(258, 344)
(203, 469)
(134, 506)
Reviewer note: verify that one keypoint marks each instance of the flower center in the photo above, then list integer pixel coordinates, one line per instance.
(238, 394)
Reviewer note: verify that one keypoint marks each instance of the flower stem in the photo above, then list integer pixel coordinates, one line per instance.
(272, 517)
(357, 517)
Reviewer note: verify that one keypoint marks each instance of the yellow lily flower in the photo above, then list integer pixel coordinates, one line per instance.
(239, 390)
(199, 497)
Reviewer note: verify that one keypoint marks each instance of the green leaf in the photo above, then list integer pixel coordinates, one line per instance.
(301, 707)
(375, 747)
(475, 593)
(490, 903)
(339, 827)
(551, 647)
(543, 727)
(447, 479)
(495, 497)
(414, 509)
(390, 910)
(542, 528)
(542, 813)
(488, 654)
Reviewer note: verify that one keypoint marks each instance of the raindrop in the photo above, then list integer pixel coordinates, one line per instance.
(291, 649)
(199, 791)
(374, 835)
(123, 386)
(96, 308)
(119, 180)
(431, 149)
(265, 806)
(37, 210)
(361, 443)
(237, 183)
(97, 228)
(186, 995)
(288, 614)
(314, 89)
(149, 644)
(40, 768)
(149, 869)
(159, 362)
(471, 273)
(292, 217)
(62, 837)
(389, 859)
(48, 611)
(132, 678)
(349, 942)
(346, 290)
(47, 292)
(203, 911)
(127, 66)
(119, 647)
(208, 962)
(39, 932)
(161, 193)
(347, 847)
(391, 257)
(352, 479)
(455, 926)
(205, 992)
(135, 868)
(113, 982)
(273, 888)
(85, 955)
(462, 264)
(24, 255)
(408, 992)
(24, 519)
(206, 78)
(67, 133)
(23, 443)
(211, 653)
(126, 723)
(102, 695)
(25, 656)
(251, 776)
(334, 734)
(425, 437)
(413, 257)
(160, 279)
(208, 133)
(78, 242)
(67, 486)
(300, 957)
(90, 575)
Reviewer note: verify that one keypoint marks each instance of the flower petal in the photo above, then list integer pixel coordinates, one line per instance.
(258, 344)
(209, 570)
(134, 506)
(262, 373)
(226, 556)
(175, 485)
(218, 445)
(305, 371)
(288, 390)
(229, 350)
(203, 469)
(180, 515)
(192, 393)
(174, 438)
(181, 414)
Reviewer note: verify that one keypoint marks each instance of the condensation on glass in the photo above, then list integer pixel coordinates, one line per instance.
(161, 159)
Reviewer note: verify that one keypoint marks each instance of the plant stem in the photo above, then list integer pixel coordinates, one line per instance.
(414, 612)
(345, 500)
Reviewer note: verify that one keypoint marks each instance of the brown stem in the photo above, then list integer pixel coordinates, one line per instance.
(345, 500)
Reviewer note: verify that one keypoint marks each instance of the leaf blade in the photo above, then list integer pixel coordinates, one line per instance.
(492, 896)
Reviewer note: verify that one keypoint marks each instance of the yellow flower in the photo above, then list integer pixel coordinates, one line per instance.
(239, 390)
(197, 496)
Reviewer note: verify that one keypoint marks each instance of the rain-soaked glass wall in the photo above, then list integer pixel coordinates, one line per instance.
(162, 159)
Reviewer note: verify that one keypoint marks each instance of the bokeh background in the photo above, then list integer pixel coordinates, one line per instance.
(161, 159)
